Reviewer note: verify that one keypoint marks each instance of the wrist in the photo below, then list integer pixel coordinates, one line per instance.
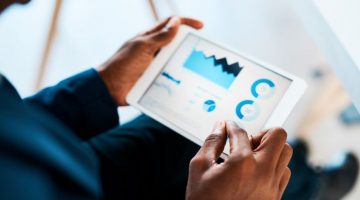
(107, 79)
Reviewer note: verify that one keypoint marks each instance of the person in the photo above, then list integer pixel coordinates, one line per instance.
(65, 143)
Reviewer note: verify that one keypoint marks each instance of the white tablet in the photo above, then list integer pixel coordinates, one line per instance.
(194, 82)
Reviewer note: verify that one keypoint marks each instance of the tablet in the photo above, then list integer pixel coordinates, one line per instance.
(194, 82)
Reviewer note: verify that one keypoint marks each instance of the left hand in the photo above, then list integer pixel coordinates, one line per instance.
(124, 68)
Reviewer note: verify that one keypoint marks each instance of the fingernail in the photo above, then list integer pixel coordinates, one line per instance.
(219, 125)
(232, 123)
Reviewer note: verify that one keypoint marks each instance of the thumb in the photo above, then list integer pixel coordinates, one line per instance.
(164, 36)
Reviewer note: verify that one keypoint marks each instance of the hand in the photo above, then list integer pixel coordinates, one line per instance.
(254, 170)
(127, 65)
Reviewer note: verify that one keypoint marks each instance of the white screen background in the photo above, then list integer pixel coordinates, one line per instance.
(183, 104)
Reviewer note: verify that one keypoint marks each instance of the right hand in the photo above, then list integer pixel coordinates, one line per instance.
(253, 170)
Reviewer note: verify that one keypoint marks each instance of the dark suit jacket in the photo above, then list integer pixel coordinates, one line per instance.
(43, 148)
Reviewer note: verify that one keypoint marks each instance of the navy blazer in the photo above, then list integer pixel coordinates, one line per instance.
(43, 148)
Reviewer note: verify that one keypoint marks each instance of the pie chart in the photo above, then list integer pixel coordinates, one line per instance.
(209, 105)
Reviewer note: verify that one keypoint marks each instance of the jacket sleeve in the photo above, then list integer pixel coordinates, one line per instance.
(82, 102)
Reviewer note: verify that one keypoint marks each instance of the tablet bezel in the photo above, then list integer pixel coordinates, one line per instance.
(277, 118)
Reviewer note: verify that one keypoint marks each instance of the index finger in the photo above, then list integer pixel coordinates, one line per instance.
(183, 20)
(191, 22)
(239, 140)
(214, 144)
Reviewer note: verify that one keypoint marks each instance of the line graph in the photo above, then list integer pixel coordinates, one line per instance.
(231, 69)
(216, 70)
(170, 77)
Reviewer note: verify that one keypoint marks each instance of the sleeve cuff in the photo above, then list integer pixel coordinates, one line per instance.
(98, 108)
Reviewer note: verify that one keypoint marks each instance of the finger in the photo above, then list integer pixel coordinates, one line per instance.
(168, 32)
(271, 146)
(238, 138)
(192, 22)
(256, 139)
(214, 144)
(284, 181)
(165, 35)
(183, 20)
(284, 159)
(158, 27)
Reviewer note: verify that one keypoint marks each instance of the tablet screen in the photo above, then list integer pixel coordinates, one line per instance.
(202, 83)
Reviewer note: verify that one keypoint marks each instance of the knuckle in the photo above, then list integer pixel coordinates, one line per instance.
(197, 162)
(244, 154)
(137, 42)
(248, 161)
(245, 159)
(141, 40)
(144, 43)
(288, 150)
(213, 138)
(247, 155)
(287, 173)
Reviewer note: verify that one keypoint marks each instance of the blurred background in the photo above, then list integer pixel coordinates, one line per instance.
(49, 40)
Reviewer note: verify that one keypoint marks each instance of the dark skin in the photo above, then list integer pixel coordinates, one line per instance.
(256, 168)
(6, 3)
(125, 67)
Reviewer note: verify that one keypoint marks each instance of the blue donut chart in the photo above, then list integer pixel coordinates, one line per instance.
(252, 114)
(260, 82)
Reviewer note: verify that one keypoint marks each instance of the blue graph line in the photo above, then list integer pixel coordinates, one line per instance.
(216, 70)
(171, 78)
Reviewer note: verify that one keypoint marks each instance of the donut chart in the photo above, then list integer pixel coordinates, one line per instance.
(263, 89)
(247, 110)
